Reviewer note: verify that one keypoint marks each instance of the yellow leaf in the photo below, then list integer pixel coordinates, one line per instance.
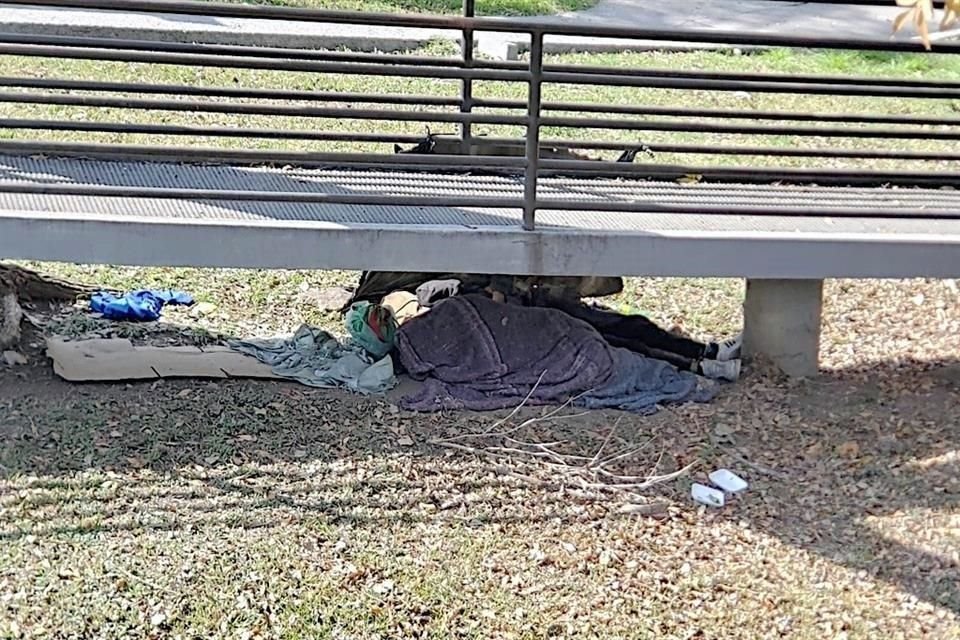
(848, 449)
(902, 20)
(690, 178)
(951, 13)
(923, 29)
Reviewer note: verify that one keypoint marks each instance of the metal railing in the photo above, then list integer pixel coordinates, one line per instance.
(884, 135)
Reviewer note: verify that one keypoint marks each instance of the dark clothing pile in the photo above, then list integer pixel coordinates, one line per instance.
(634, 332)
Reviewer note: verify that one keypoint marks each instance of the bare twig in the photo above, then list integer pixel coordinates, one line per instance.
(649, 481)
(629, 453)
(516, 410)
(144, 581)
(606, 441)
(586, 475)
(493, 433)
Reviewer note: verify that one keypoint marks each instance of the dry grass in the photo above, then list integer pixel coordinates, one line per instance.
(243, 510)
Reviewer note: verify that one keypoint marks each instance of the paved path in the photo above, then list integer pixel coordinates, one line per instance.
(812, 19)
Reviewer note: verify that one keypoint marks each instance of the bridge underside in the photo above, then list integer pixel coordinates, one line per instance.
(162, 213)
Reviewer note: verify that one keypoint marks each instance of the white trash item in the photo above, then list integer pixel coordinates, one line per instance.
(707, 495)
(728, 481)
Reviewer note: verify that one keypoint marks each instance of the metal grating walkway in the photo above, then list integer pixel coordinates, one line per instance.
(272, 232)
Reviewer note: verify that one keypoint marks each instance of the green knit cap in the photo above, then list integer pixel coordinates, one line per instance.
(361, 319)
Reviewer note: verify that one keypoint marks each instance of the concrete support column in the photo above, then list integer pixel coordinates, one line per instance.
(782, 323)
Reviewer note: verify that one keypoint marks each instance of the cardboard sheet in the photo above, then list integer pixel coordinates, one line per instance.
(116, 359)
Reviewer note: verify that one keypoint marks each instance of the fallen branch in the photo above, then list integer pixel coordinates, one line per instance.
(541, 465)
(32, 285)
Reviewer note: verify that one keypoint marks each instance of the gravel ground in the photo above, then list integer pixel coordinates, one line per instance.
(246, 509)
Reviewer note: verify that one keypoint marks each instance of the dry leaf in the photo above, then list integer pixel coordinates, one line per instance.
(724, 430)
(653, 509)
(813, 452)
(920, 12)
(849, 449)
(14, 358)
(405, 441)
(951, 13)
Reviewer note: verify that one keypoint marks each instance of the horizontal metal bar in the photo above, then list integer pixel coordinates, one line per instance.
(751, 174)
(437, 116)
(918, 213)
(756, 86)
(261, 157)
(227, 92)
(735, 114)
(238, 62)
(754, 76)
(518, 143)
(300, 111)
(436, 61)
(216, 132)
(720, 150)
(493, 164)
(638, 77)
(331, 96)
(710, 127)
(505, 25)
(110, 191)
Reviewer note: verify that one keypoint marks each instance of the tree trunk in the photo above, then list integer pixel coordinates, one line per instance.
(20, 284)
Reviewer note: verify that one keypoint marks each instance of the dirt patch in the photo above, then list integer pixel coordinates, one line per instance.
(240, 507)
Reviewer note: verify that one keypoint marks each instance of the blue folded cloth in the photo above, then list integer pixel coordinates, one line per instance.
(143, 305)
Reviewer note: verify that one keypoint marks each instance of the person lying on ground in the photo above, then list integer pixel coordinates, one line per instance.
(716, 360)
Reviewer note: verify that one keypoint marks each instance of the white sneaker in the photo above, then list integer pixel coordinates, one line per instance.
(730, 349)
(728, 370)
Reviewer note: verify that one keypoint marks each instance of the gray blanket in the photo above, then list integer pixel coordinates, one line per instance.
(473, 353)
(316, 358)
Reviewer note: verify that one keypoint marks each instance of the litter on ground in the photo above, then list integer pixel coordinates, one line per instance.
(143, 305)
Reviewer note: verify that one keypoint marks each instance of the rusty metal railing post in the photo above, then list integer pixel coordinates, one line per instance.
(466, 85)
(534, 99)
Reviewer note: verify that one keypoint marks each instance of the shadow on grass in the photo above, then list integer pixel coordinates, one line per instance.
(84, 458)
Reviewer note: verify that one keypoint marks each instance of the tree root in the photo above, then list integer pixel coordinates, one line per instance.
(19, 284)
(31, 285)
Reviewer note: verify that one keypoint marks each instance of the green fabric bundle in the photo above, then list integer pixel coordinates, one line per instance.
(373, 327)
